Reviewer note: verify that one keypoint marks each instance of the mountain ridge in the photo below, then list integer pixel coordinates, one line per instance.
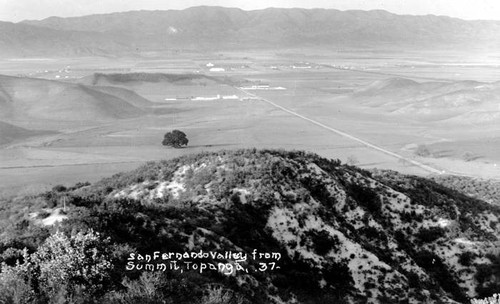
(121, 33)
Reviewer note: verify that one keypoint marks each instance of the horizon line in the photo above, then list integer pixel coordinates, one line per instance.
(248, 10)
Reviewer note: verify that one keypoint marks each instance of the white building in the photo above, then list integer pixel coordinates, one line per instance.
(206, 98)
(226, 97)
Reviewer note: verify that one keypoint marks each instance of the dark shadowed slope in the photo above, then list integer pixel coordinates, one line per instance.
(138, 79)
(30, 98)
(130, 96)
(9, 133)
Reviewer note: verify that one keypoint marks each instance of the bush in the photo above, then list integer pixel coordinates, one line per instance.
(323, 242)
(352, 160)
(422, 150)
(59, 188)
(63, 269)
(494, 299)
(145, 290)
(430, 234)
(466, 258)
(15, 283)
(366, 197)
(219, 295)
(469, 156)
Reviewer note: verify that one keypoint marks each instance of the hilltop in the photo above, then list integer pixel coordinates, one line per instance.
(342, 234)
(197, 28)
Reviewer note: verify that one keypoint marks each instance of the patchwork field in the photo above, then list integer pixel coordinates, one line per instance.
(374, 109)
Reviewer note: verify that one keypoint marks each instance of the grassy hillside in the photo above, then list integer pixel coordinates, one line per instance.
(29, 98)
(458, 101)
(333, 233)
(9, 133)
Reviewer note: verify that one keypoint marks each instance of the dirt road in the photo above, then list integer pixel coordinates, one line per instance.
(346, 135)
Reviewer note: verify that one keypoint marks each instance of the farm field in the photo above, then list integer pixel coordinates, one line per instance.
(359, 93)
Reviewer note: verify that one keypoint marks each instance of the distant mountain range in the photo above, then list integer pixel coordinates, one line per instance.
(217, 28)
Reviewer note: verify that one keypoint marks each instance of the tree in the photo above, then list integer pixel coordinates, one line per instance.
(468, 156)
(175, 139)
(422, 151)
(352, 160)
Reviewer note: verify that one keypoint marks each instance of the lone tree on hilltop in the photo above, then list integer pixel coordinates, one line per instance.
(175, 139)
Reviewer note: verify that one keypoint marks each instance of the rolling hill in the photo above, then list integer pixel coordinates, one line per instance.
(29, 98)
(335, 233)
(156, 86)
(139, 79)
(218, 28)
(460, 101)
(9, 133)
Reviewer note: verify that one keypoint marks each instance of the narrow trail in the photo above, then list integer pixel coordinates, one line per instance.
(346, 135)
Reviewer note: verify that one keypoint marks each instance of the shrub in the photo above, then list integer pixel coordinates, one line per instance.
(366, 197)
(63, 269)
(494, 299)
(352, 160)
(422, 150)
(219, 295)
(145, 290)
(322, 241)
(466, 258)
(430, 234)
(469, 156)
(15, 283)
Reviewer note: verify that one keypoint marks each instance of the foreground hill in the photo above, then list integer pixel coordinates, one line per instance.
(335, 233)
(459, 101)
(217, 27)
(28, 98)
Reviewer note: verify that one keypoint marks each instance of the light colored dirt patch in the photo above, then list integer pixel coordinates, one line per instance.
(54, 217)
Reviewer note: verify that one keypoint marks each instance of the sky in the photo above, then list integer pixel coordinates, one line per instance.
(18, 10)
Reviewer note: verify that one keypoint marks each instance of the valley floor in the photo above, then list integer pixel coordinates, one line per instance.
(317, 111)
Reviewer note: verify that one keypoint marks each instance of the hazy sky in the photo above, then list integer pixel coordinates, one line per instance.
(17, 10)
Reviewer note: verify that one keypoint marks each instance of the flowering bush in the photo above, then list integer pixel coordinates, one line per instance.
(63, 267)
(494, 299)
